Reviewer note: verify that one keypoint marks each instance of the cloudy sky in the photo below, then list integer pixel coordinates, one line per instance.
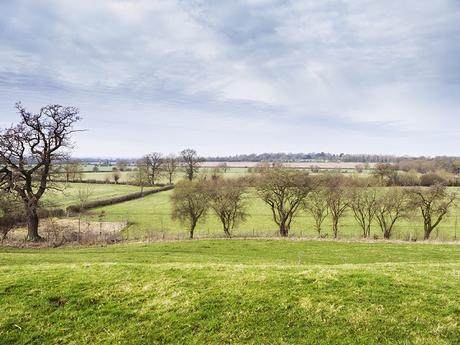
(240, 76)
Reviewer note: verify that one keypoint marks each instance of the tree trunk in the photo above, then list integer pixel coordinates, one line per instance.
(227, 232)
(192, 229)
(335, 227)
(318, 230)
(32, 224)
(386, 234)
(428, 230)
(284, 230)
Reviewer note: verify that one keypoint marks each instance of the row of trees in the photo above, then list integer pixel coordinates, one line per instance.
(154, 166)
(298, 157)
(287, 192)
(192, 200)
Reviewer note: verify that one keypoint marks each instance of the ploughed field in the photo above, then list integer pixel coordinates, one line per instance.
(232, 291)
(150, 217)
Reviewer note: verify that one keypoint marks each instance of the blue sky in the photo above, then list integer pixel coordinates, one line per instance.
(227, 77)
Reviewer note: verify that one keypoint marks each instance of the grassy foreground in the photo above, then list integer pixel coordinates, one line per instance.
(232, 291)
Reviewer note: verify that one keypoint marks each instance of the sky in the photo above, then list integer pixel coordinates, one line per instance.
(240, 76)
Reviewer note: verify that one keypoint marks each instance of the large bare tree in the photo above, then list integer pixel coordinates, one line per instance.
(155, 166)
(363, 204)
(434, 202)
(227, 202)
(316, 204)
(27, 152)
(337, 190)
(191, 162)
(284, 191)
(392, 205)
(170, 167)
(190, 203)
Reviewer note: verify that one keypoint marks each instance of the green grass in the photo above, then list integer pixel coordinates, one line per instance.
(69, 194)
(232, 291)
(126, 176)
(152, 215)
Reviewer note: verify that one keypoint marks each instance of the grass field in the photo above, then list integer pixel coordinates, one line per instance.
(69, 193)
(232, 291)
(152, 215)
(126, 176)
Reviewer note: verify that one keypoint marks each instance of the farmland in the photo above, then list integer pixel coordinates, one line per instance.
(68, 194)
(232, 291)
(151, 216)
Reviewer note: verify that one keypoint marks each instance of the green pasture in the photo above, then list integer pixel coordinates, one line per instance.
(68, 194)
(151, 216)
(232, 292)
(127, 176)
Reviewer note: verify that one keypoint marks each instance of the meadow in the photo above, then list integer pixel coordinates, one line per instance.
(151, 217)
(68, 194)
(232, 292)
(127, 176)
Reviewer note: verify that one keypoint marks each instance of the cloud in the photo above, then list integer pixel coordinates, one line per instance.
(345, 68)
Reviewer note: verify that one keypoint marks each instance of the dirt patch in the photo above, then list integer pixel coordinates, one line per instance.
(58, 232)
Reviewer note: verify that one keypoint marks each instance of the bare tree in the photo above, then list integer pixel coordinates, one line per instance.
(116, 175)
(363, 204)
(316, 204)
(155, 166)
(226, 200)
(386, 173)
(284, 191)
(27, 152)
(434, 202)
(140, 174)
(337, 199)
(122, 164)
(392, 205)
(171, 167)
(191, 163)
(190, 203)
(73, 170)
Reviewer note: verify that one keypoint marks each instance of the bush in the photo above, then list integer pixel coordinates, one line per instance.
(430, 179)
(116, 200)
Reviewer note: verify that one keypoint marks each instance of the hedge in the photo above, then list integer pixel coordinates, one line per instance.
(116, 200)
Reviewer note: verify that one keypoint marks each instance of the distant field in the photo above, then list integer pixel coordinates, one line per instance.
(234, 169)
(232, 291)
(152, 215)
(306, 165)
(127, 176)
(70, 191)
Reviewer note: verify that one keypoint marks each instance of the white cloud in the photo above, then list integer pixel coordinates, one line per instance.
(323, 63)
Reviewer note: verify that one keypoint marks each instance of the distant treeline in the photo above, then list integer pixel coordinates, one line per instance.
(417, 162)
(422, 163)
(313, 156)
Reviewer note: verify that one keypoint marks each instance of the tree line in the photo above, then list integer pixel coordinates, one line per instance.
(287, 192)
(298, 157)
